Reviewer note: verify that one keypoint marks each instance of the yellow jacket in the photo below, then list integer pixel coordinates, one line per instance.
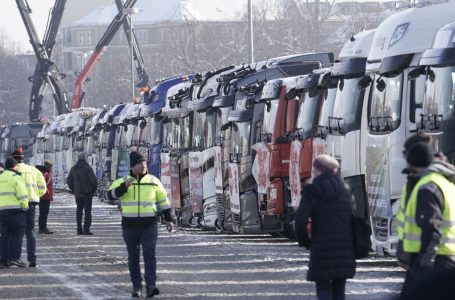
(34, 181)
(13, 193)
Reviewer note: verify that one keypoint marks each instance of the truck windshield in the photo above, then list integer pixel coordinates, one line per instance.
(327, 107)
(240, 138)
(186, 131)
(222, 117)
(307, 112)
(268, 124)
(440, 92)
(384, 109)
(154, 131)
(348, 99)
(210, 130)
(170, 134)
(199, 129)
(48, 144)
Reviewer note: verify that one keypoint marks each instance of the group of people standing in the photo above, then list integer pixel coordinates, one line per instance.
(426, 225)
(21, 187)
(141, 198)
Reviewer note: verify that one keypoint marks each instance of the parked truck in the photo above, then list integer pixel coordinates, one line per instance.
(393, 111)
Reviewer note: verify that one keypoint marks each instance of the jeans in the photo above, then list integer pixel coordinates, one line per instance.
(134, 237)
(30, 232)
(330, 289)
(12, 226)
(43, 213)
(86, 205)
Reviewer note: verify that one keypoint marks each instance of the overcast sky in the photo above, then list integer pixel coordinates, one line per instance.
(11, 21)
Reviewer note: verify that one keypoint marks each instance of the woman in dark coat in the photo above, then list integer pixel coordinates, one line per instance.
(326, 203)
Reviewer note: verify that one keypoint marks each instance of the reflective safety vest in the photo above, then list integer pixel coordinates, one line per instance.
(143, 198)
(399, 218)
(13, 193)
(412, 233)
(34, 181)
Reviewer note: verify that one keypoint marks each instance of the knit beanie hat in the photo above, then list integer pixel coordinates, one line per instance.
(18, 154)
(326, 163)
(420, 137)
(135, 158)
(82, 156)
(420, 155)
(10, 163)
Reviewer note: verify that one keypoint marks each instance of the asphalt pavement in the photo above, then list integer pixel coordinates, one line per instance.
(192, 264)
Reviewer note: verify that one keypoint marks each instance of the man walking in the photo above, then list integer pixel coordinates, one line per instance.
(83, 184)
(141, 197)
(36, 187)
(13, 204)
(427, 230)
(45, 200)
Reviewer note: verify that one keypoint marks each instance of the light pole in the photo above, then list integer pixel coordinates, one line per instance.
(130, 12)
(250, 30)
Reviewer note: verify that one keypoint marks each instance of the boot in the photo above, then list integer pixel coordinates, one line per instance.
(152, 292)
(137, 292)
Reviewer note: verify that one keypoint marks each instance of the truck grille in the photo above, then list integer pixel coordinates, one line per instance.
(236, 219)
(380, 228)
(220, 206)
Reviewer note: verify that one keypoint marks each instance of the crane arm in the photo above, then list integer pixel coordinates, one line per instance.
(100, 47)
(46, 72)
(134, 46)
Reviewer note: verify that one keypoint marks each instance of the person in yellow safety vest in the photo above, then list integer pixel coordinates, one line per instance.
(36, 187)
(13, 204)
(403, 258)
(142, 198)
(428, 228)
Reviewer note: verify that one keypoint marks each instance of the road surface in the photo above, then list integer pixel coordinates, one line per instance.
(192, 264)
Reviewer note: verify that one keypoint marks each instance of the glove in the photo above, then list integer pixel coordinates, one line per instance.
(168, 216)
(426, 260)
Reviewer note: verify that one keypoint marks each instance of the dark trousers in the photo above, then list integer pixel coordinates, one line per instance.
(423, 283)
(330, 289)
(43, 213)
(12, 230)
(30, 232)
(84, 205)
(134, 237)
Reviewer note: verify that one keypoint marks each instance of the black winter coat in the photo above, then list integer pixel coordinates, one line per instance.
(327, 202)
(82, 180)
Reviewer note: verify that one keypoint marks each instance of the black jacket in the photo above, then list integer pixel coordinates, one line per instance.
(82, 180)
(429, 213)
(327, 202)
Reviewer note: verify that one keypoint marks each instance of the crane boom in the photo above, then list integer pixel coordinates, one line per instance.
(99, 50)
(46, 71)
(134, 46)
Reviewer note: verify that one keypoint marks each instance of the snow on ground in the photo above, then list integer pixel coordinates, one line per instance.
(192, 264)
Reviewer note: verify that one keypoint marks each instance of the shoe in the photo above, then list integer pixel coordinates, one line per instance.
(88, 232)
(80, 232)
(45, 231)
(136, 293)
(152, 292)
(17, 263)
(32, 265)
(3, 266)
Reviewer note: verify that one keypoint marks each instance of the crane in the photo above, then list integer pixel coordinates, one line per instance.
(99, 50)
(46, 71)
(134, 46)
